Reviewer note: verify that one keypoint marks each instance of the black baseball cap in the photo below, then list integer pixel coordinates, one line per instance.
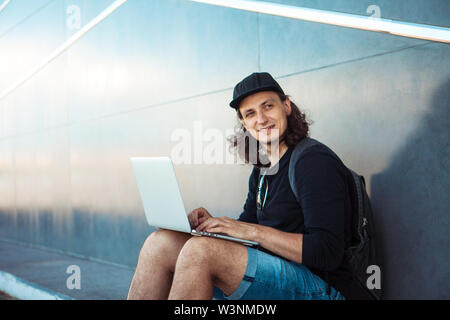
(256, 82)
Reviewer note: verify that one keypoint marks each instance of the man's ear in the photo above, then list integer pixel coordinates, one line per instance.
(241, 119)
(287, 104)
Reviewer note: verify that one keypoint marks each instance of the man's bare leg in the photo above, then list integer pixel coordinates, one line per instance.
(204, 262)
(156, 265)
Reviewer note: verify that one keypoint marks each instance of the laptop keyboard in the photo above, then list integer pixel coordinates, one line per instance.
(204, 233)
(209, 234)
(218, 234)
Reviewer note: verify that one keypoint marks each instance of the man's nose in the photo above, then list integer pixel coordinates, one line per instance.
(261, 117)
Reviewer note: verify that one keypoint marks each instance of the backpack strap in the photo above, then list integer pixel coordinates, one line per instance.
(362, 220)
(295, 156)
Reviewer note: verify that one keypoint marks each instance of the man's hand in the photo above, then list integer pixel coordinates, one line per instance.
(230, 227)
(198, 216)
(285, 244)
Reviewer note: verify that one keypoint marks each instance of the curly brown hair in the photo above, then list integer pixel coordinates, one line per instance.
(242, 141)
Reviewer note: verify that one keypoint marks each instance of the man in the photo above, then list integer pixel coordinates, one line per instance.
(301, 242)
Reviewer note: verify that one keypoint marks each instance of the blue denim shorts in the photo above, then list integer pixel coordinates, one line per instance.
(274, 278)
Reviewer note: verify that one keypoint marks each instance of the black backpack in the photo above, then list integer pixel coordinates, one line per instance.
(361, 253)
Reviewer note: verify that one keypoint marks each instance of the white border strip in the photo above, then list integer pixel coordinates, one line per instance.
(25, 290)
(398, 28)
(4, 4)
(104, 14)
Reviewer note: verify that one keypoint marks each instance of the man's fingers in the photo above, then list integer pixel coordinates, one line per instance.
(208, 223)
(202, 219)
(198, 216)
(202, 211)
(193, 218)
(201, 226)
(216, 230)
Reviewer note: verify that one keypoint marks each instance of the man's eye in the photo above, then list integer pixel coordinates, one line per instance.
(268, 106)
(248, 114)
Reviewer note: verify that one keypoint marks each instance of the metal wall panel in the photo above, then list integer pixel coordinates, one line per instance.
(168, 50)
(157, 67)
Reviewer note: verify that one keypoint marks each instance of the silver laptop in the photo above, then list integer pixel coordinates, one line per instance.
(161, 197)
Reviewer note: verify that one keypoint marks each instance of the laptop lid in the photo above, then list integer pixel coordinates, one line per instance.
(160, 194)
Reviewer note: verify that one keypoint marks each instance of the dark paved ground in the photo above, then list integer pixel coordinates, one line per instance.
(47, 269)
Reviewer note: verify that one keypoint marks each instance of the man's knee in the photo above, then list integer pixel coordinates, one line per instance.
(223, 260)
(197, 251)
(160, 242)
(205, 252)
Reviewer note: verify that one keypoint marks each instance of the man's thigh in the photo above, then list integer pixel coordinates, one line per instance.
(227, 260)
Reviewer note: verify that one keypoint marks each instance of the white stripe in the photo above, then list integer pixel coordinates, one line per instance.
(104, 14)
(405, 29)
(4, 4)
(24, 290)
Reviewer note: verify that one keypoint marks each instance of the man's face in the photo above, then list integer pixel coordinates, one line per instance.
(264, 115)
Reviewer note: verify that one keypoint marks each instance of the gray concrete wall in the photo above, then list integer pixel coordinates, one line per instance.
(154, 67)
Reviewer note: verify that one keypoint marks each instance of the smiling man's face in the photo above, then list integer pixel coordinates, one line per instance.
(264, 115)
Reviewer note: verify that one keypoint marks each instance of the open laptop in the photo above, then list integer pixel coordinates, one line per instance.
(161, 197)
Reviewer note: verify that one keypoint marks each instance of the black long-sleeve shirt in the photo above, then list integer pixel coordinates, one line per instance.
(322, 213)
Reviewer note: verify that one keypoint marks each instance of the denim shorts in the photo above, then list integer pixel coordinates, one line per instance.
(274, 278)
